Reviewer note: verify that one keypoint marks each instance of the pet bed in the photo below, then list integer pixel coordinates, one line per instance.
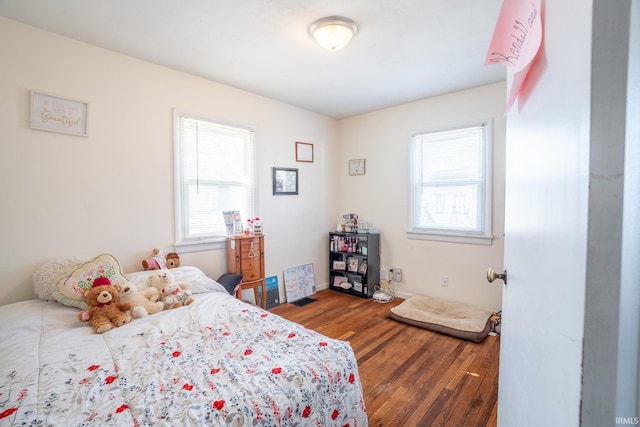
(451, 318)
(218, 361)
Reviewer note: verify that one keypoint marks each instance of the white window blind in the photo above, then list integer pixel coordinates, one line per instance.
(451, 181)
(215, 166)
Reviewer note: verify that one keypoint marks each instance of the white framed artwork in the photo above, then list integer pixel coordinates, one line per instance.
(56, 114)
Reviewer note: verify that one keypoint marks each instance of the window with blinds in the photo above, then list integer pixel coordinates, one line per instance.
(451, 182)
(215, 172)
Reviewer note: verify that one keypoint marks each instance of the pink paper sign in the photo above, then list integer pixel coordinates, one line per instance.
(516, 40)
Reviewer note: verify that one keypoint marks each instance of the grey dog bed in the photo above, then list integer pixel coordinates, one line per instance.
(452, 318)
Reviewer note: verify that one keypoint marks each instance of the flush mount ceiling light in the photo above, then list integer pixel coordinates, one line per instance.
(333, 32)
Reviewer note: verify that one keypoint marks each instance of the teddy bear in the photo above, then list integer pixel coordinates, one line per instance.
(173, 260)
(105, 311)
(156, 262)
(143, 303)
(173, 297)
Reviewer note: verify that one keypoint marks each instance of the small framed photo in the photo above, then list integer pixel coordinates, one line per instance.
(340, 280)
(362, 269)
(339, 265)
(357, 286)
(285, 181)
(357, 167)
(353, 264)
(304, 152)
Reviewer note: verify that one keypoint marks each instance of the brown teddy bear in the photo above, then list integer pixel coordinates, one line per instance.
(173, 260)
(105, 312)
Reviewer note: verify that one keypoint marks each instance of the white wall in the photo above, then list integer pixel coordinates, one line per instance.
(113, 191)
(381, 196)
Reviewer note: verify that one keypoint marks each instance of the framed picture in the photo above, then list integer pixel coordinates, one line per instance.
(55, 114)
(341, 282)
(353, 264)
(304, 152)
(339, 265)
(285, 181)
(362, 269)
(356, 167)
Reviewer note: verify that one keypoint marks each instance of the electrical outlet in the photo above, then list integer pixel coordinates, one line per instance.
(397, 274)
(444, 281)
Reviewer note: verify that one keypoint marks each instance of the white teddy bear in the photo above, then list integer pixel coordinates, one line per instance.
(143, 303)
(173, 294)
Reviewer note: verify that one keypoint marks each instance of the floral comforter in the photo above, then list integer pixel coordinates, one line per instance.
(217, 361)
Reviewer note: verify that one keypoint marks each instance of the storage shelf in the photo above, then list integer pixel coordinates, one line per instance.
(361, 251)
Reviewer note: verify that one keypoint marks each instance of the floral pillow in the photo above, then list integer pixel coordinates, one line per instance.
(70, 289)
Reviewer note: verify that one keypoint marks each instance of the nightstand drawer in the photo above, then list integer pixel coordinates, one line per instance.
(251, 274)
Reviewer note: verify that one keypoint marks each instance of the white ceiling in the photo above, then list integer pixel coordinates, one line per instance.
(405, 50)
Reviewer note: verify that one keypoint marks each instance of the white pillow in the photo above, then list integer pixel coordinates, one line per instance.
(46, 277)
(200, 283)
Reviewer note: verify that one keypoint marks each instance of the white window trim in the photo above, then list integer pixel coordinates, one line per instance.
(485, 238)
(181, 245)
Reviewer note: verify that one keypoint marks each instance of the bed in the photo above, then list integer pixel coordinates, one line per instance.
(218, 361)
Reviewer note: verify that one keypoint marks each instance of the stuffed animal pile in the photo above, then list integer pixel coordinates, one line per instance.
(173, 294)
(159, 262)
(143, 303)
(105, 311)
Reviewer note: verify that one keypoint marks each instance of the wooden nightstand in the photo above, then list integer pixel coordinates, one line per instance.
(245, 255)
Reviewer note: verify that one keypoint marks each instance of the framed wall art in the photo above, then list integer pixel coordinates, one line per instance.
(285, 181)
(304, 152)
(356, 167)
(56, 114)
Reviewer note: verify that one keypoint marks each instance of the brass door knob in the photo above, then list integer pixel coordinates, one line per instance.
(492, 275)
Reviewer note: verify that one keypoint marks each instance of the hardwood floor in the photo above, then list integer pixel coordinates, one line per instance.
(410, 376)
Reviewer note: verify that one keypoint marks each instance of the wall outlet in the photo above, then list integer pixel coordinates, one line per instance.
(444, 281)
(397, 274)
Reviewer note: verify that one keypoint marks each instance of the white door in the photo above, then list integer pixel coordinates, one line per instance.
(555, 297)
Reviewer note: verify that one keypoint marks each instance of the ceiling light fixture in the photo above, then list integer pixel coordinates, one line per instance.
(333, 32)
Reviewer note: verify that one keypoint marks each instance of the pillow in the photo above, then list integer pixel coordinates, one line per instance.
(70, 289)
(200, 283)
(46, 277)
(230, 281)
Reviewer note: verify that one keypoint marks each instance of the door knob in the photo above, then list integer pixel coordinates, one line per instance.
(492, 275)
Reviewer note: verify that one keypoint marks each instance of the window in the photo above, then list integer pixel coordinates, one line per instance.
(214, 172)
(451, 185)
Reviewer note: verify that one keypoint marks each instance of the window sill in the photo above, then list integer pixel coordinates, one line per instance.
(472, 239)
(200, 245)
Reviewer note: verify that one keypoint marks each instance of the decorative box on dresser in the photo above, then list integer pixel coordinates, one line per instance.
(354, 263)
(245, 255)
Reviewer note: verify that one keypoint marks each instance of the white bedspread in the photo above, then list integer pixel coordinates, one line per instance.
(216, 362)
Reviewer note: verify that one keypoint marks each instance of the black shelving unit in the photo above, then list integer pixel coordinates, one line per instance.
(354, 263)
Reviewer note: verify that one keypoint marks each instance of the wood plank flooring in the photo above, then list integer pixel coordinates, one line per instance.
(410, 376)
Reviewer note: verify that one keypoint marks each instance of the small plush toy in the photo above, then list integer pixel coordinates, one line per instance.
(173, 260)
(105, 311)
(163, 280)
(143, 303)
(174, 296)
(156, 262)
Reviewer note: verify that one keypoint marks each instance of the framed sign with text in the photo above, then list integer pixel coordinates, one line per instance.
(55, 114)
